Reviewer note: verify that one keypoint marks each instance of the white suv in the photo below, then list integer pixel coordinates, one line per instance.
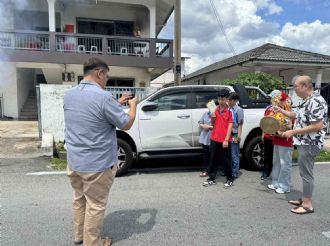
(166, 124)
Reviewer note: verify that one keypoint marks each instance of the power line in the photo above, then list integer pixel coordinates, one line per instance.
(217, 16)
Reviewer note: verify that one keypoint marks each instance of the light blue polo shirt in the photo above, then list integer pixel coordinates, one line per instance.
(91, 116)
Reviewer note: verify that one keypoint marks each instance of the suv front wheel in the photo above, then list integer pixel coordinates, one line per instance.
(125, 157)
(253, 153)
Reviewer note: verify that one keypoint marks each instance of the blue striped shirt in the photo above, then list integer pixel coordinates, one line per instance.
(91, 116)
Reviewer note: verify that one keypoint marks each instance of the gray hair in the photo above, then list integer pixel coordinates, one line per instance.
(304, 80)
(294, 79)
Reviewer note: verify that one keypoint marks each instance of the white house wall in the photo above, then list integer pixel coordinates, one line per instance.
(136, 14)
(52, 114)
(7, 16)
(53, 75)
(71, 10)
(53, 72)
(8, 87)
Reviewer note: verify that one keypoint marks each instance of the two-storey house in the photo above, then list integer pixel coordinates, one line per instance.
(47, 41)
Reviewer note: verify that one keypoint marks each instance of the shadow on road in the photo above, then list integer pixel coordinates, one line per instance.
(122, 224)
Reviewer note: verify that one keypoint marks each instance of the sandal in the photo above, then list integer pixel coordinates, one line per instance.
(306, 210)
(107, 241)
(296, 202)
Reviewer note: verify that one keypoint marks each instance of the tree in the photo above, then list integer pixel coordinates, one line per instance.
(264, 81)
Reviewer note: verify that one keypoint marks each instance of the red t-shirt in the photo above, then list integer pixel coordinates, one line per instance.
(282, 141)
(221, 122)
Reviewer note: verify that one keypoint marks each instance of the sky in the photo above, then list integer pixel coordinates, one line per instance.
(300, 24)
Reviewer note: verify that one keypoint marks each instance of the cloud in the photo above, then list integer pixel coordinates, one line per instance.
(203, 39)
(204, 42)
(314, 36)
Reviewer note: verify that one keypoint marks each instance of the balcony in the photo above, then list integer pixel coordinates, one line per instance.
(70, 48)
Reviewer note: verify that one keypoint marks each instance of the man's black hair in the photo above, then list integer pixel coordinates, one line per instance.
(233, 96)
(223, 93)
(93, 63)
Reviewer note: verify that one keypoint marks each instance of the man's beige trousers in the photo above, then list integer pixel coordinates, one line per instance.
(91, 191)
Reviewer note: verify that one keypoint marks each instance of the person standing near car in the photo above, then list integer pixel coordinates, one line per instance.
(283, 147)
(311, 117)
(91, 116)
(238, 119)
(267, 139)
(222, 120)
(205, 123)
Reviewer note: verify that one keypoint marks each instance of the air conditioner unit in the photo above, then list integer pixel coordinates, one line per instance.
(68, 77)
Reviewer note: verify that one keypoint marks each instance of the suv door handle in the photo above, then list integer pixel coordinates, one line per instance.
(183, 116)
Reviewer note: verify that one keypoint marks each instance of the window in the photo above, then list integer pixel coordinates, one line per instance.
(121, 82)
(256, 94)
(174, 101)
(203, 97)
(105, 27)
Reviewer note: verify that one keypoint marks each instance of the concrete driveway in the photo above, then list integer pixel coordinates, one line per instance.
(162, 207)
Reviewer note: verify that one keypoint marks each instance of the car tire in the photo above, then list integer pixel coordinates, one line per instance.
(125, 157)
(253, 154)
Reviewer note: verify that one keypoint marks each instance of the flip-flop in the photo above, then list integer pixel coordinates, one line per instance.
(307, 210)
(78, 242)
(296, 202)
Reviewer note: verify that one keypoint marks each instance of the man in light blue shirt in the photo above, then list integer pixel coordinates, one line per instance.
(91, 116)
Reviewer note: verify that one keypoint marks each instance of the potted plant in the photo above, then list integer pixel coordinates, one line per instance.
(60, 150)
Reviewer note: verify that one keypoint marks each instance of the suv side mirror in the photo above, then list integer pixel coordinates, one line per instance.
(151, 106)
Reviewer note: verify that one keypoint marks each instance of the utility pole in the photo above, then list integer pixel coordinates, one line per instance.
(177, 42)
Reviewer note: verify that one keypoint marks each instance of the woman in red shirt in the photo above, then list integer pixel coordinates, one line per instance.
(283, 147)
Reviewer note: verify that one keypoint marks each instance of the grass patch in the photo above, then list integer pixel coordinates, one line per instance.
(58, 164)
(322, 157)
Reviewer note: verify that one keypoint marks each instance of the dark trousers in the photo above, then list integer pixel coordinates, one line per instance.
(268, 156)
(218, 152)
(206, 157)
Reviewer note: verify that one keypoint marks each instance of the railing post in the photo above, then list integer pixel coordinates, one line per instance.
(52, 42)
(152, 48)
(104, 45)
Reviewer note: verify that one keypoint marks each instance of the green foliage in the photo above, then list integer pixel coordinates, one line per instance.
(60, 146)
(264, 81)
(58, 164)
(324, 156)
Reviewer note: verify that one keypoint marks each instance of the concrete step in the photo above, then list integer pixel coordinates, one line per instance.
(32, 110)
(27, 116)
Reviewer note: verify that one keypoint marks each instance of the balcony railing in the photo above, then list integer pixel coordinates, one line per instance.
(85, 44)
(24, 41)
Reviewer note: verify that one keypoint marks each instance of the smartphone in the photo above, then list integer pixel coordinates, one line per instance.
(133, 93)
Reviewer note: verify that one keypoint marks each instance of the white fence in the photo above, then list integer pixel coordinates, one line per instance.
(50, 106)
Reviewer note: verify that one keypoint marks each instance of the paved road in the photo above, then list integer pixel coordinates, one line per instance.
(162, 207)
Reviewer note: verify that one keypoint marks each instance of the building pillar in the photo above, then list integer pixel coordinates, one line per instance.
(318, 79)
(177, 42)
(51, 14)
(152, 20)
